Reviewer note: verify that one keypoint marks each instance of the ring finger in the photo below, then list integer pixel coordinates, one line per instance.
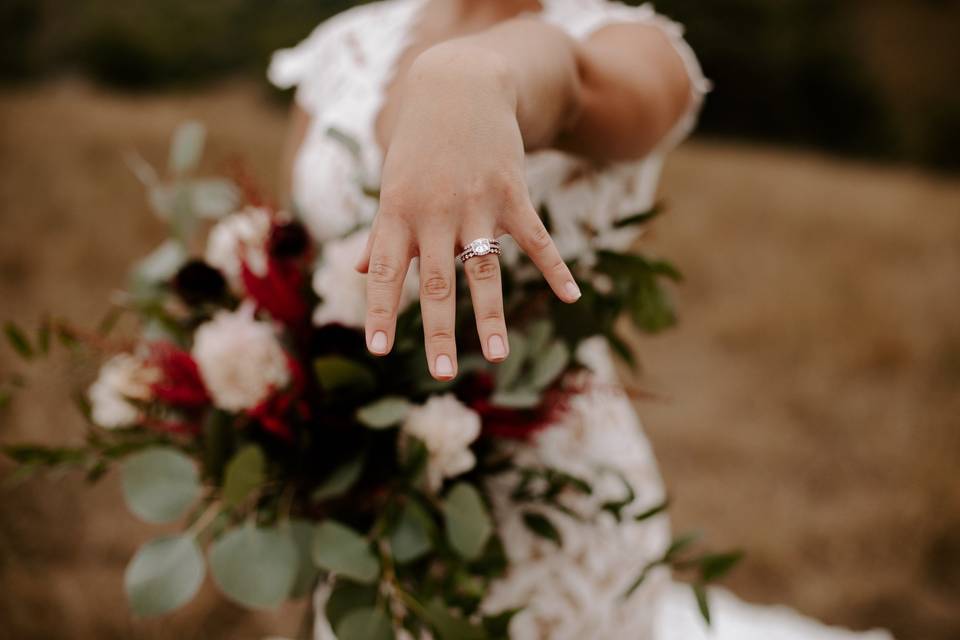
(486, 292)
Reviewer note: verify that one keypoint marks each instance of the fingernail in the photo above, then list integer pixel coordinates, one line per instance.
(378, 344)
(444, 366)
(496, 347)
(573, 290)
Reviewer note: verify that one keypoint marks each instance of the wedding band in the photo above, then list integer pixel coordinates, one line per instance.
(479, 247)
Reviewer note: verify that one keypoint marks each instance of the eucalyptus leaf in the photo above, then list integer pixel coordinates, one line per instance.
(159, 484)
(244, 473)
(301, 532)
(347, 596)
(214, 198)
(468, 524)
(343, 551)
(336, 373)
(516, 399)
(186, 148)
(508, 371)
(340, 480)
(367, 623)
(385, 412)
(538, 336)
(412, 535)
(255, 566)
(163, 575)
(161, 264)
(451, 627)
(550, 364)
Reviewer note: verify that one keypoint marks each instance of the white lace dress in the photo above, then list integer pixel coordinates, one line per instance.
(341, 71)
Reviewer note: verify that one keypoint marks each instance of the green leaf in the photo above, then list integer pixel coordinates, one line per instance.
(538, 336)
(218, 436)
(347, 596)
(498, 625)
(467, 522)
(652, 511)
(703, 603)
(214, 197)
(255, 567)
(18, 340)
(367, 623)
(541, 526)
(385, 412)
(245, 472)
(348, 141)
(516, 399)
(301, 531)
(43, 336)
(715, 566)
(550, 364)
(451, 627)
(336, 373)
(159, 266)
(340, 480)
(163, 575)
(343, 551)
(682, 543)
(187, 147)
(508, 371)
(639, 218)
(159, 484)
(412, 535)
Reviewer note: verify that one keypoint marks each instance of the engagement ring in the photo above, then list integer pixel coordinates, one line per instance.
(479, 247)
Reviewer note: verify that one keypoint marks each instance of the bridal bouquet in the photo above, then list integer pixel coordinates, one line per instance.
(248, 409)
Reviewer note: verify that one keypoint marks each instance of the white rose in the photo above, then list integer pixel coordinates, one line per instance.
(123, 380)
(342, 290)
(240, 238)
(240, 359)
(447, 428)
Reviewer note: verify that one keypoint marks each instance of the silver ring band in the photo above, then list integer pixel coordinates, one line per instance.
(480, 247)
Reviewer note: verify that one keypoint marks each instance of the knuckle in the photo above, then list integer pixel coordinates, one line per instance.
(493, 315)
(383, 270)
(483, 269)
(558, 267)
(540, 238)
(380, 312)
(437, 286)
(440, 336)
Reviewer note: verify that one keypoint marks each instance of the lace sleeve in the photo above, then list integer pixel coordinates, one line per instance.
(581, 18)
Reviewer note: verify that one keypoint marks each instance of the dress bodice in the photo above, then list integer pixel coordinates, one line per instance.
(341, 72)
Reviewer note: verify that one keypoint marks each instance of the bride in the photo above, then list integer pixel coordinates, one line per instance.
(472, 116)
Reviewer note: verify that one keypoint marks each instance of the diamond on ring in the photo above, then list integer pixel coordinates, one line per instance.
(479, 247)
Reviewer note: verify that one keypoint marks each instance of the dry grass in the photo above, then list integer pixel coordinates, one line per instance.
(810, 397)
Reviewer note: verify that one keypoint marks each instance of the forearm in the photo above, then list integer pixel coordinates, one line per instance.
(523, 65)
(613, 96)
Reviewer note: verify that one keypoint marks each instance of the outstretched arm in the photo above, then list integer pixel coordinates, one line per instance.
(456, 133)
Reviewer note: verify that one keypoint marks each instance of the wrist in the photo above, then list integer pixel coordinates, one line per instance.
(466, 69)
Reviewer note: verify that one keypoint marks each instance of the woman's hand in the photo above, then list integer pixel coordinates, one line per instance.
(454, 172)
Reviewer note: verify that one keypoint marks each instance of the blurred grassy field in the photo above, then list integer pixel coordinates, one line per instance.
(808, 406)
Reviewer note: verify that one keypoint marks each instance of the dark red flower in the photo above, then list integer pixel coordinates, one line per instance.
(197, 282)
(288, 241)
(180, 384)
(280, 292)
(513, 424)
(278, 411)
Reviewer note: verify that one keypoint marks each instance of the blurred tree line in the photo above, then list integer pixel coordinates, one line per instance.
(871, 78)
